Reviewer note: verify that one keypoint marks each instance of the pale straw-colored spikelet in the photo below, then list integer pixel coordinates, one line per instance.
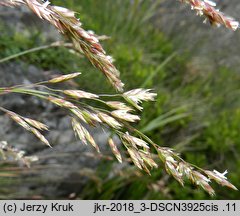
(83, 134)
(64, 78)
(220, 178)
(86, 116)
(137, 96)
(109, 120)
(80, 94)
(21, 121)
(136, 158)
(91, 140)
(124, 115)
(78, 113)
(92, 116)
(215, 17)
(62, 103)
(147, 158)
(36, 124)
(134, 141)
(118, 105)
(202, 181)
(40, 136)
(79, 131)
(140, 157)
(171, 167)
(114, 149)
(185, 169)
(10, 3)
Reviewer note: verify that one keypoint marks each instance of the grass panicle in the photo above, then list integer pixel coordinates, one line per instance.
(122, 109)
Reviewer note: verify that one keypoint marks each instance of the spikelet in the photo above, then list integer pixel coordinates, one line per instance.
(79, 131)
(124, 115)
(112, 122)
(20, 120)
(202, 181)
(118, 105)
(146, 156)
(220, 178)
(80, 94)
(134, 141)
(171, 168)
(40, 136)
(36, 124)
(115, 150)
(93, 116)
(136, 158)
(62, 103)
(83, 134)
(78, 113)
(137, 96)
(10, 3)
(64, 78)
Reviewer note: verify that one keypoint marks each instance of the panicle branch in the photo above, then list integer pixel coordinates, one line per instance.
(9, 153)
(137, 145)
(85, 42)
(215, 17)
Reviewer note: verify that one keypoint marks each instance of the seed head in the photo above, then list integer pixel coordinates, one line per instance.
(64, 78)
(136, 96)
(124, 115)
(115, 150)
(112, 122)
(134, 141)
(80, 94)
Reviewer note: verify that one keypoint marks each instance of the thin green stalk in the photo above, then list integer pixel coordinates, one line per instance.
(36, 93)
(52, 45)
(158, 69)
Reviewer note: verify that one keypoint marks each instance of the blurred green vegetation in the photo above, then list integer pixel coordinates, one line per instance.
(196, 112)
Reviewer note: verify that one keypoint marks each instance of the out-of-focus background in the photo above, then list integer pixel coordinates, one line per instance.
(193, 67)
